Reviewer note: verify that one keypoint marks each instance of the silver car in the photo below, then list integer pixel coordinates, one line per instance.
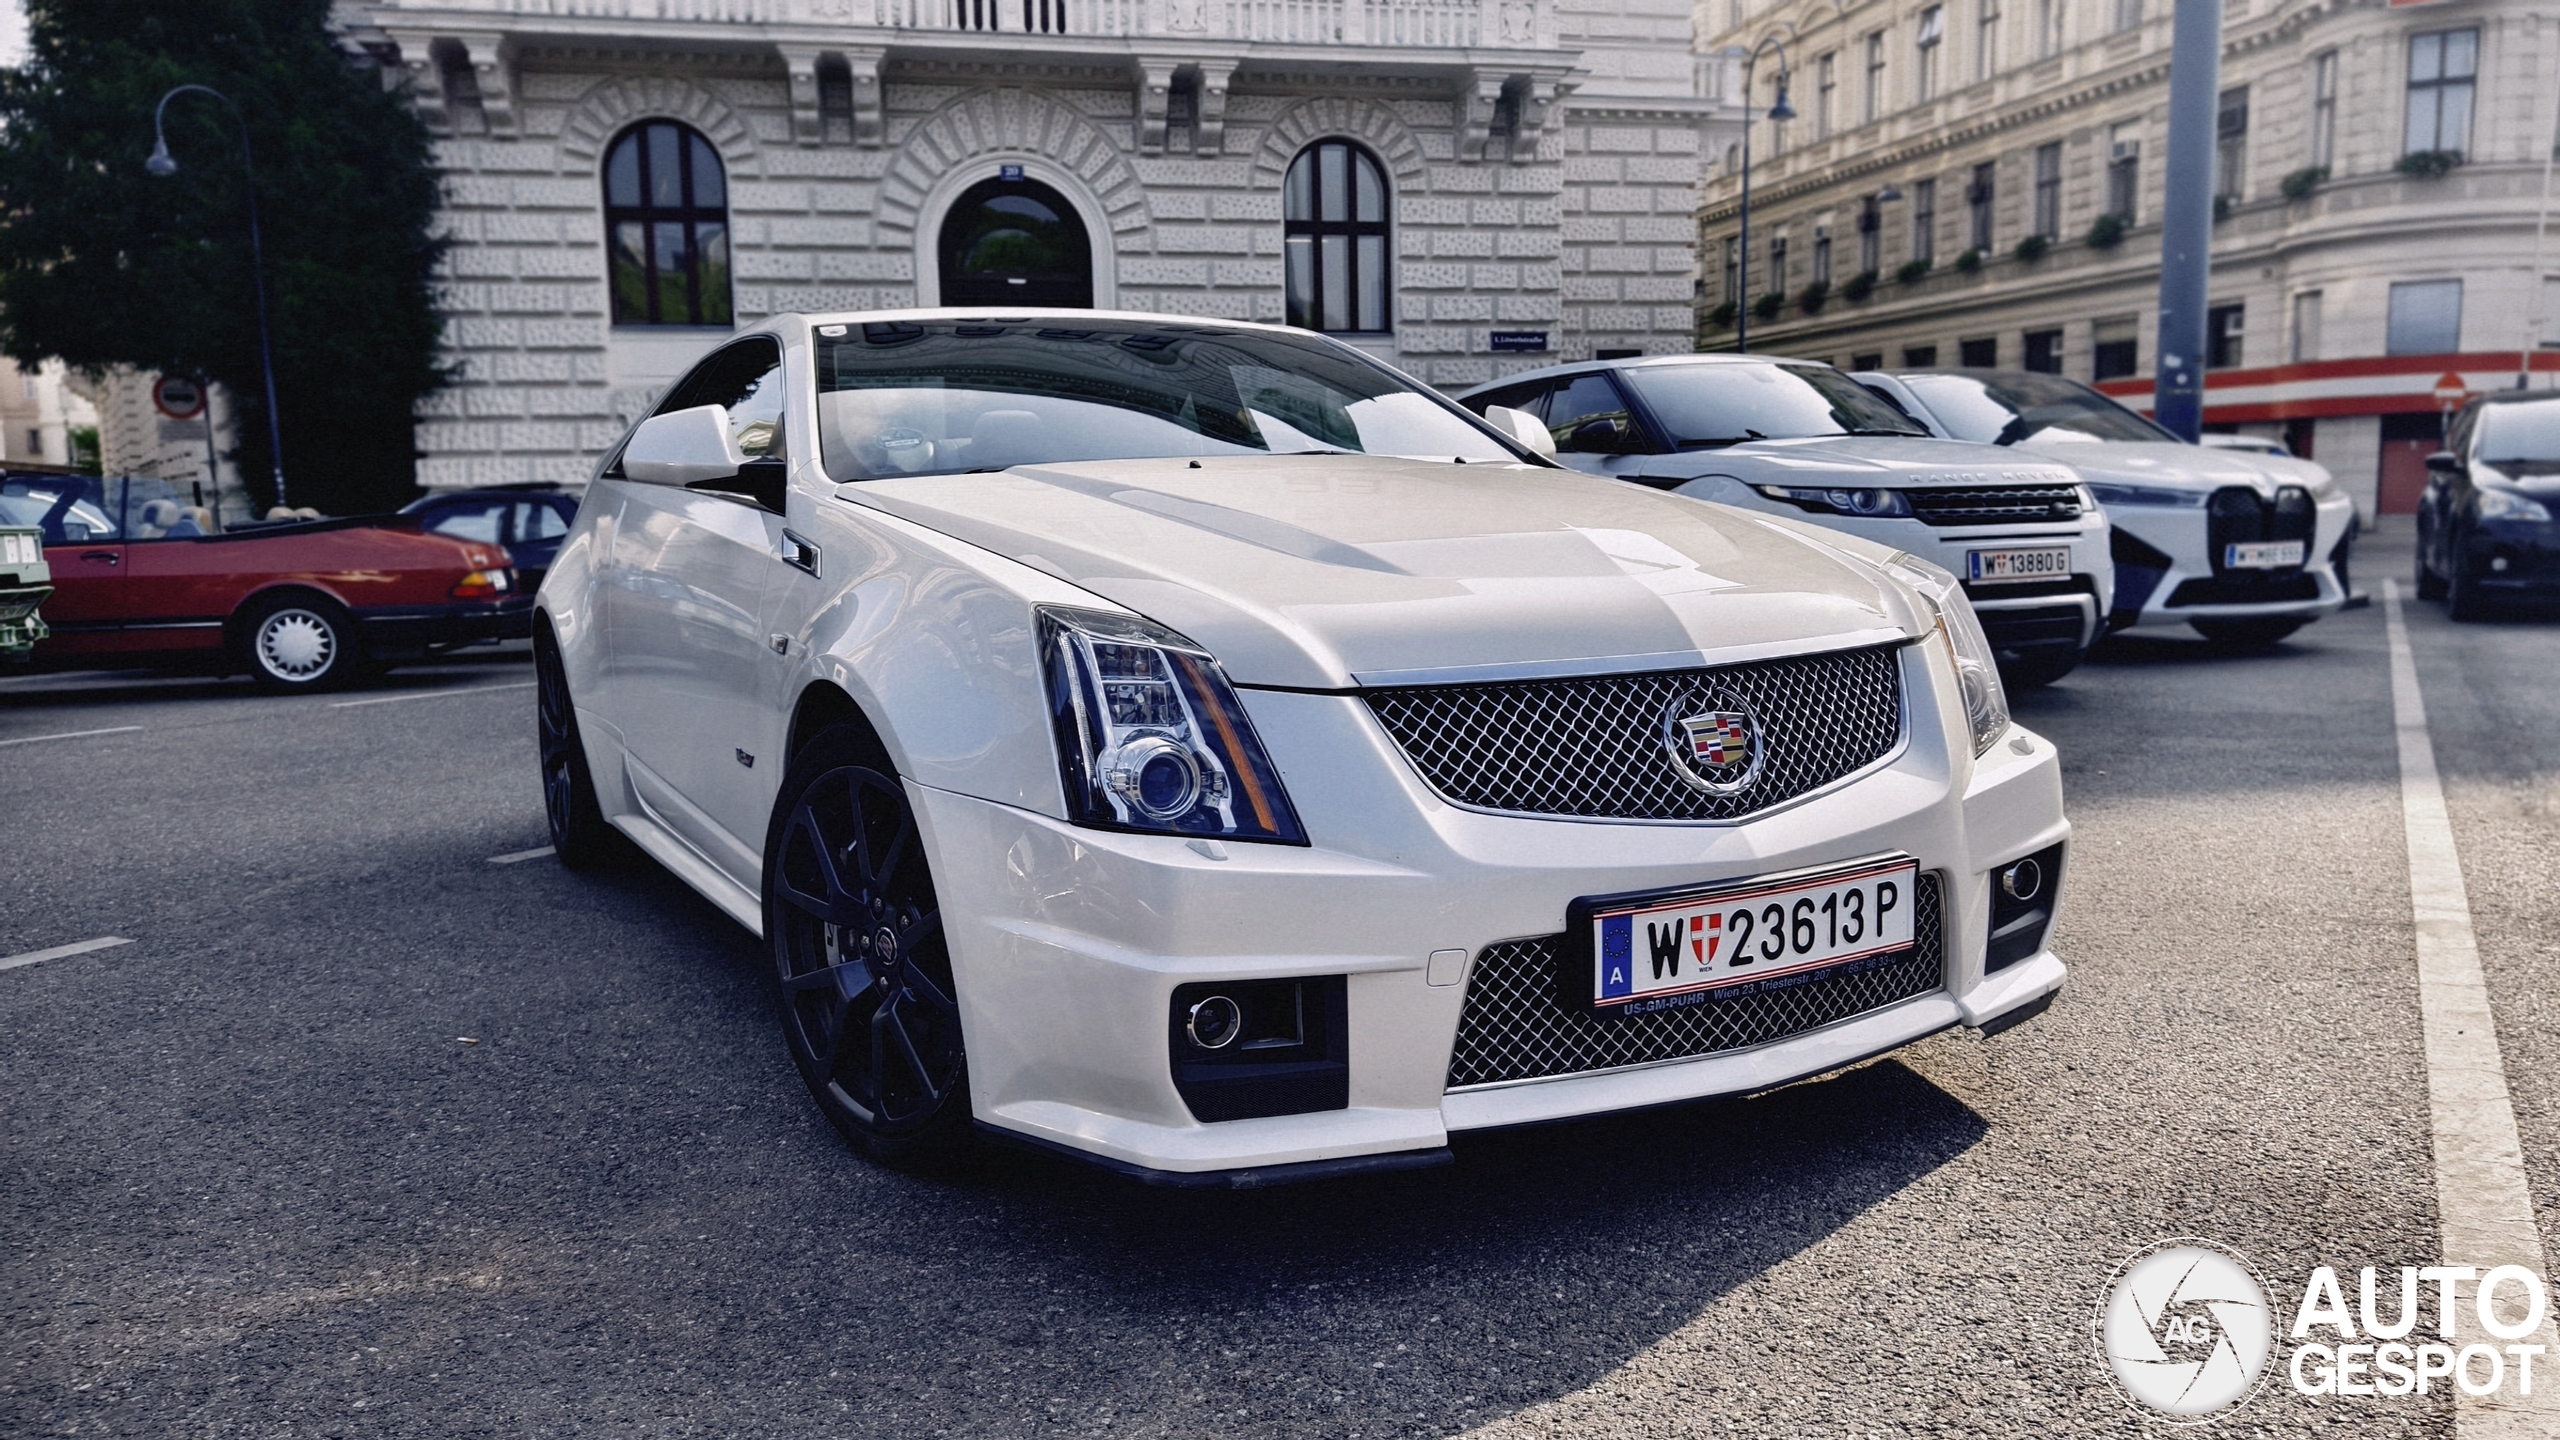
(1801, 439)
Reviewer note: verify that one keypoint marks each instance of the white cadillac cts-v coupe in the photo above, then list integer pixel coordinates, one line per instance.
(1201, 749)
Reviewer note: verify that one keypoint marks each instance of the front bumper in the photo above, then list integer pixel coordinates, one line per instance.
(464, 622)
(2167, 576)
(2517, 559)
(1068, 943)
(20, 626)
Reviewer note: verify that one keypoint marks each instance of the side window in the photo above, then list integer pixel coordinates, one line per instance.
(468, 522)
(2459, 441)
(1583, 400)
(538, 521)
(747, 378)
(1530, 398)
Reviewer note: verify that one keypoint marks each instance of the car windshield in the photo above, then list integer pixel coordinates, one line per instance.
(2522, 437)
(2025, 409)
(943, 398)
(1704, 406)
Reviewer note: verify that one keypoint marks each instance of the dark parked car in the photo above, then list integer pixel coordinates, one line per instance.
(142, 577)
(2485, 529)
(529, 520)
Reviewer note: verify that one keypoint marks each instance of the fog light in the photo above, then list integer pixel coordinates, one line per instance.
(2023, 881)
(1215, 1023)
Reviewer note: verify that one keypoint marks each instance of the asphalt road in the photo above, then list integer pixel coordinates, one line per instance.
(255, 1180)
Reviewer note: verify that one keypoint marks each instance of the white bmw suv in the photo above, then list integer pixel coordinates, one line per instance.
(1202, 750)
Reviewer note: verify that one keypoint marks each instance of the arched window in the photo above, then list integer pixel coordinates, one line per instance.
(1015, 242)
(1334, 209)
(666, 227)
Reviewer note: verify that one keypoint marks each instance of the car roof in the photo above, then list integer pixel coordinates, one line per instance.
(1642, 362)
(1986, 372)
(1019, 314)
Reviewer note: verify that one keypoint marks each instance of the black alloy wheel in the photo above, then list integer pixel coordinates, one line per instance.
(869, 1008)
(580, 835)
(2247, 634)
(2465, 600)
(2430, 584)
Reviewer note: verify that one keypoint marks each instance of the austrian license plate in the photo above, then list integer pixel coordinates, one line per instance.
(2041, 563)
(2261, 554)
(1668, 948)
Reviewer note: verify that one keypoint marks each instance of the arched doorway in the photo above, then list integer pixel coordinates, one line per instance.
(1015, 242)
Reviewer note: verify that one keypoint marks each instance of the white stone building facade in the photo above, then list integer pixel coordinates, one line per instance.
(2344, 287)
(1541, 161)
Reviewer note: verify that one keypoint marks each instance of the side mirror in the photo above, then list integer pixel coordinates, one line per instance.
(1603, 437)
(683, 447)
(1522, 426)
(2444, 462)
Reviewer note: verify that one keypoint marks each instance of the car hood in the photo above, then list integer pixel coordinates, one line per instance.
(2537, 478)
(1324, 571)
(2166, 462)
(1870, 460)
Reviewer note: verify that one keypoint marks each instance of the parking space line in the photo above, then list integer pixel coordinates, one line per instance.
(2482, 1202)
(58, 952)
(518, 857)
(72, 735)
(429, 695)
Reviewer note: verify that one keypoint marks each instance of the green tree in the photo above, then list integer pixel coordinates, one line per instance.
(103, 263)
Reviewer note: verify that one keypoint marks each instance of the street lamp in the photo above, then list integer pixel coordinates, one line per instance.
(1780, 112)
(163, 164)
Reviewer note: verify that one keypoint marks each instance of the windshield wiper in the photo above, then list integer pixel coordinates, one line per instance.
(1874, 430)
(1719, 444)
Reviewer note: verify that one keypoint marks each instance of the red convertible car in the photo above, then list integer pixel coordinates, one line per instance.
(141, 579)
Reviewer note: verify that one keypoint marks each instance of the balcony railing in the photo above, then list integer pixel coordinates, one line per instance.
(1401, 23)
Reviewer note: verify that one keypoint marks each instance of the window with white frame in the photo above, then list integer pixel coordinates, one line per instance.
(1825, 90)
(2128, 14)
(2444, 65)
(1986, 40)
(2124, 169)
(1924, 220)
(2425, 318)
(2049, 15)
(1875, 77)
(2231, 144)
(2304, 343)
(2324, 106)
(2049, 190)
(1822, 253)
(1933, 33)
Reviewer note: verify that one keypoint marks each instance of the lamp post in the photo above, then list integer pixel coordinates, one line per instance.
(163, 164)
(1780, 112)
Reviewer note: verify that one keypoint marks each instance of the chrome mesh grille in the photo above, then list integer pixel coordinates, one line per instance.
(1514, 1026)
(1596, 748)
(1995, 504)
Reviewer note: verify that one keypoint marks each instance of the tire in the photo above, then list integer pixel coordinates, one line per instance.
(2247, 634)
(2025, 674)
(580, 835)
(2430, 584)
(296, 643)
(2465, 602)
(868, 1005)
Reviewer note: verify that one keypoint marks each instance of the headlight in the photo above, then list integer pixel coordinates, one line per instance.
(1977, 672)
(2148, 495)
(1826, 501)
(2497, 504)
(1150, 736)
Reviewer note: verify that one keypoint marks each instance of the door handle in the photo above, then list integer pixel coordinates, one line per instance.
(799, 552)
(108, 556)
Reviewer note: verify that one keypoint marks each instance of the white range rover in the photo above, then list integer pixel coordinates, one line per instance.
(1202, 750)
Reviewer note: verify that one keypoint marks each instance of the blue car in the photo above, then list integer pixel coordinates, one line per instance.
(529, 520)
(2485, 529)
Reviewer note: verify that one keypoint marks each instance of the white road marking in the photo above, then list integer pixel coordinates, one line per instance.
(518, 857)
(72, 735)
(2482, 1202)
(428, 695)
(58, 952)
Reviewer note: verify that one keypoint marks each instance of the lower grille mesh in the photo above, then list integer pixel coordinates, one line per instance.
(1514, 1028)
